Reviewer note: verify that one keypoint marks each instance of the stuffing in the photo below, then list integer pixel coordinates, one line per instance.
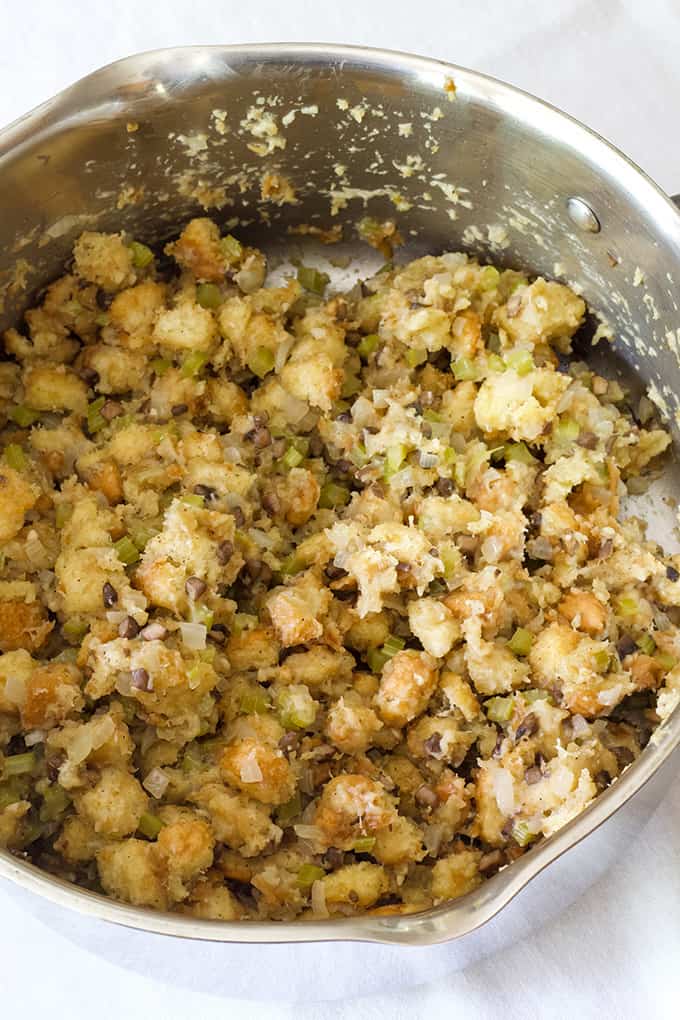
(314, 604)
(406, 685)
(115, 804)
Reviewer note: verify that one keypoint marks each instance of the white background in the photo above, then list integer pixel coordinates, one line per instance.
(615, 952)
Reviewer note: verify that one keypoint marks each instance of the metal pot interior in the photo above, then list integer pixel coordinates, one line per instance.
(460, 161)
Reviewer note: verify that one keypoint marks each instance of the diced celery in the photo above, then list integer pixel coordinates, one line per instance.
(521, 641)
(75, 630)
(518, 452)
(521, 361)
(24, 416)
(15, 456)
(18, 764)
(363, 845)
(194, 364)
(193, 499)
(255, 700)
(367, 345)
(192, 759)
(103, 319)
(126, 550)
(150, 825)
(208, 295)
(201, 614)
(358, 455)
(495, 363)
(142, 255)
(351, 385)
(95, 420)
(627, 605)
(11, 792)
(291, 565)
(160, 365)
(432, 416)
(301, 444)
(62, 514)
(602, 659)
(376, 659)
(646, 644)
(448, 456)
(464, 369)
(666, 660)
(394, 458)
(261, 361)
(288, 811)
(536, 694)
(296, 707)
(521, 281)
(55, 802)
(231, 247)
(499, 710)
(292, 457)
(309, 874)
(521, 833)
(243, 621)
(488, 278)
(333, 495)
(450, 557)
(567, 430)
(313, 280)
(141, 535)
(392, 645)
(416, 356)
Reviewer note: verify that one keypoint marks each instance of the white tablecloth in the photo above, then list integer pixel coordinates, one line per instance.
(614, 952)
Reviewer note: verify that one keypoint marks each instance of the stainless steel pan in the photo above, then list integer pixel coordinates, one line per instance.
(460, 161)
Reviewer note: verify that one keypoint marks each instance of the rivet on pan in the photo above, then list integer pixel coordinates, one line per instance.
(582, 215)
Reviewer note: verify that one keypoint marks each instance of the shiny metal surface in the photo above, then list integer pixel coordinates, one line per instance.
(582, 215)
(460, 161)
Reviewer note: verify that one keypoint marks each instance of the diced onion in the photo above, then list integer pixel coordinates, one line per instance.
(292, 409)
(308, 832)
(433, 838)
(319, 899)
(34, 548)
(610, 696)
(115, 616)
(281, 354)
(504, 791)
(34, 737)
(156, 782)
(263, 539)
(250, 770)
(81, 745)
(492, 549)
(124, 683)
(193, 635)
(363, 412)
(404, 479)
(103, 731)
(15, 689)
(428, 460)
(579, 725)
(231, 454)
